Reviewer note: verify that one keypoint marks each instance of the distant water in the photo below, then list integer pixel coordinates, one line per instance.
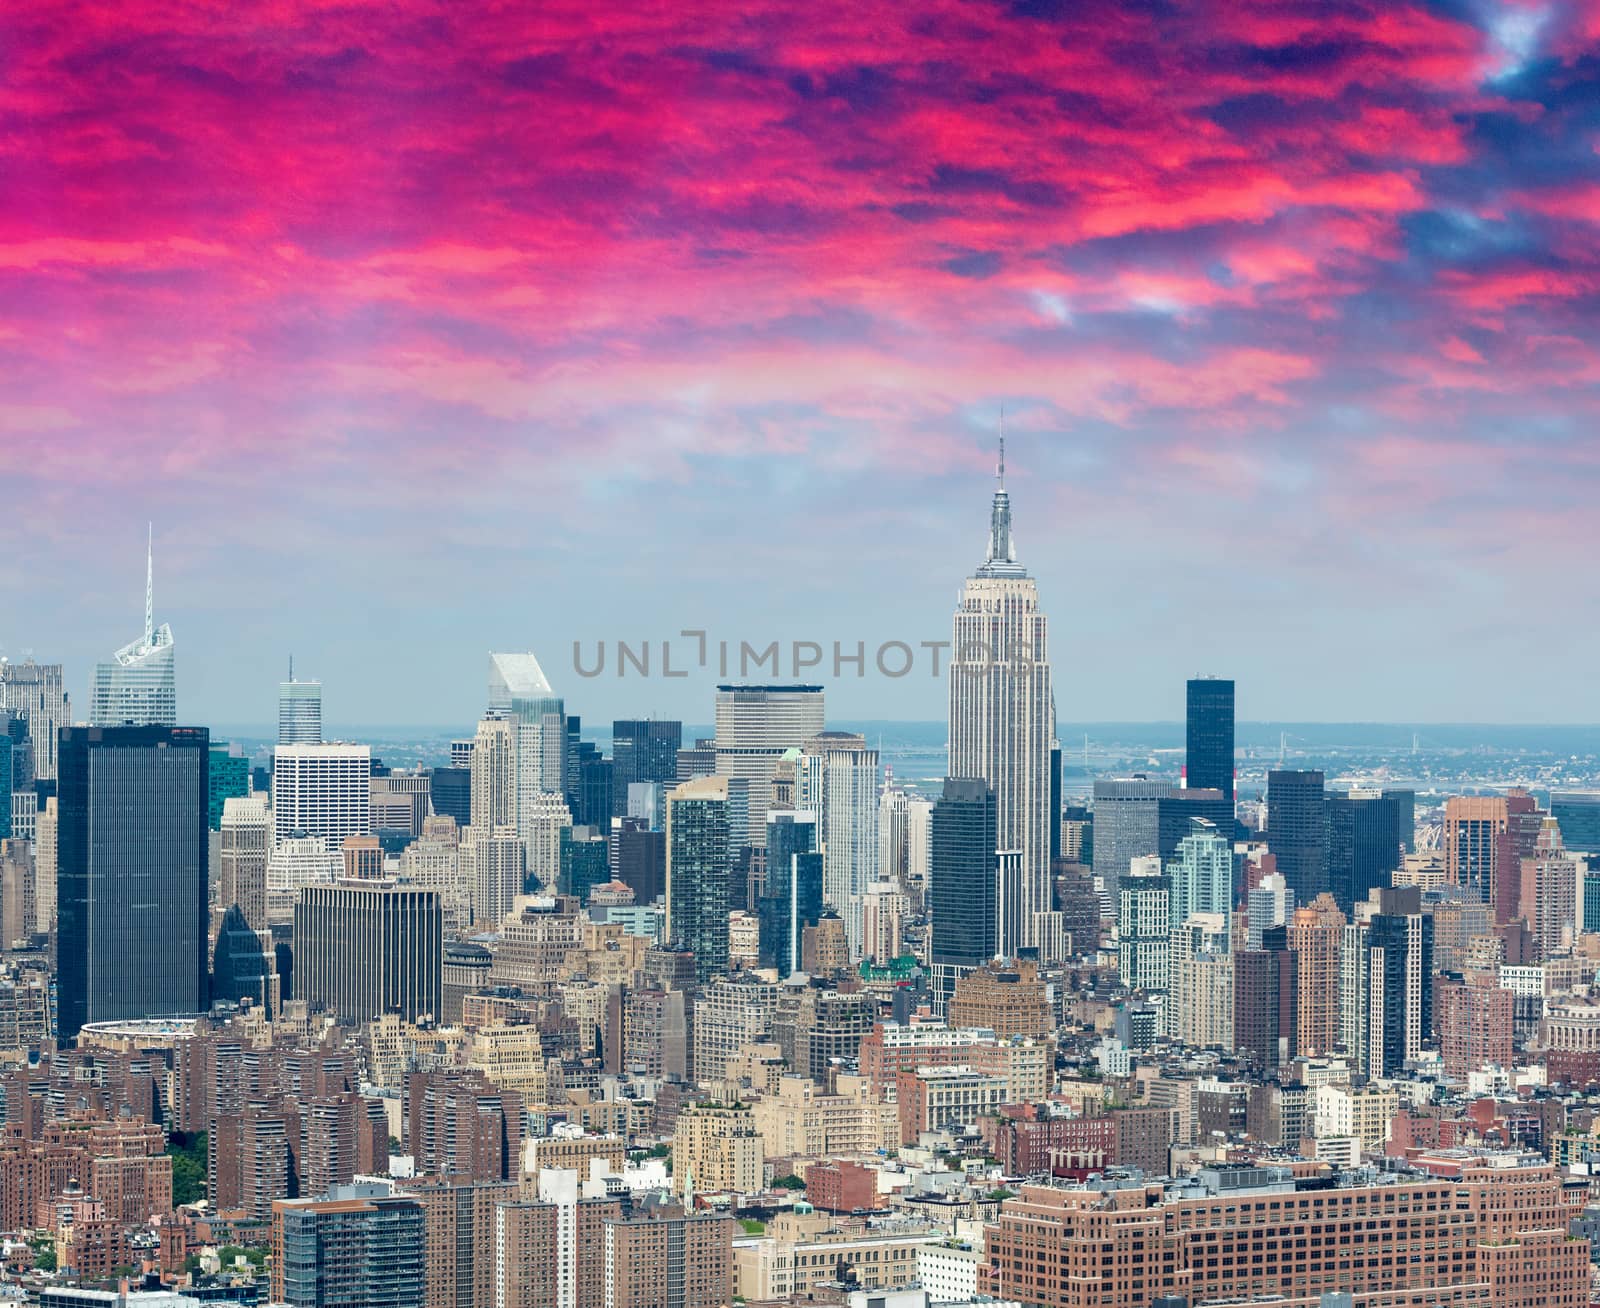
(1427, 755)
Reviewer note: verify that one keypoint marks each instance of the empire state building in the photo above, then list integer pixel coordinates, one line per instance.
(1002, 721)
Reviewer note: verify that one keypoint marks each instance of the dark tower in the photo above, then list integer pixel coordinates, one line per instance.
(1297, 831)
(131, 879)
(962, 881)
(1208, 753)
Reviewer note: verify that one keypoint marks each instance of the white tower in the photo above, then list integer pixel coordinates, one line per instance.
(1002, 716)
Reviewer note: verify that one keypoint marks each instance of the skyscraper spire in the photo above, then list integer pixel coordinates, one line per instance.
(1001, 557)
(150, 584)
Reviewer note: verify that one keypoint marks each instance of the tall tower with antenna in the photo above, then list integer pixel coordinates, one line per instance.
(137, 686)
(1002, 719)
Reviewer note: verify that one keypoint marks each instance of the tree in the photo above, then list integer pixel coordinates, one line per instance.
(790, 1182)
(188, 1166)
(45, 1259)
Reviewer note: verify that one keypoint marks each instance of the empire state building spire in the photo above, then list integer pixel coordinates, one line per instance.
(1001, 558)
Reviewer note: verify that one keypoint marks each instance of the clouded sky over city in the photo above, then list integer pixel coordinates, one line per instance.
(425, 328)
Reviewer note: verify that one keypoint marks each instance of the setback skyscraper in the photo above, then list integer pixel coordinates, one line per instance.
(131, 873)
(1002, 716)
(1208, 756)
(34, 692)
(138, 687)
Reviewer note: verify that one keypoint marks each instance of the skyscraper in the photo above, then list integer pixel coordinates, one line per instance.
(365, 948)
(1297, 831)
(299, 711)
(246, 837)
(848, 810)
(1365, 837)
(755, 726)
(793, 898)
(1127, 825)
(322, 790)
(962, 883)
(138, 687)
(1208, 756)
(1002, 714)
(519, 690)
(356, 1247)
(1201, 874)
(34, 691)
(698, 872)
(493, 800)
(131, 873)
(643, 749)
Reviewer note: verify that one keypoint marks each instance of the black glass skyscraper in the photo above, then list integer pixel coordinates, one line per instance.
(643, 749)
(1297, 831)
(131, 873)
(793, 898)
(1208, 754)
(450, 790)
(1366, 834)
(962, 875)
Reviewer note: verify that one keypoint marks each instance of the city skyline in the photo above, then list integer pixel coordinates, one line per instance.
(1291, 320)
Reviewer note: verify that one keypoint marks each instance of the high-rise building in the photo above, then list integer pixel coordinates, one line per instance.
(138, 687)
(1200, 874)
(229, 779)
(1269, 904)
(321, 790)
(365, 948)
(962, 886)
(1473, 826)
(643, 750)
(755, 726)
(1208, 756)
(1577, 812)
(493, 801)
(698, 872)
(1367, 830)
(299, 711)
(35, 692)
(1264, 997)
(519, 690)
(244, 963)
(1550, 891)
(1386, 981)
(132, 865)
(1297, 830)
(1177, 813)
(541, 821)
(793, 897)
(1003, 716)
(245, 842)
(1127, 825)
(668, 1259)
(1144, 931)
(450, 793)
(358, 1246)
(848, 812)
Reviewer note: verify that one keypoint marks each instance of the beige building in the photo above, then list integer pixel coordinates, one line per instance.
(804, 1248)
(512, 1057)
(802, 1120)
(1363, 1114)
(717, 1150)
